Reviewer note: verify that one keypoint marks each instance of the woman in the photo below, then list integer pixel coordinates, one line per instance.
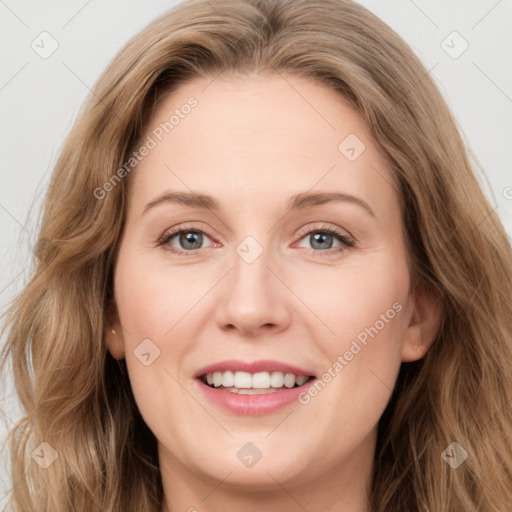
(366, 371)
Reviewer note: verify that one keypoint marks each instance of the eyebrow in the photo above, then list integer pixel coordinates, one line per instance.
(297, 202)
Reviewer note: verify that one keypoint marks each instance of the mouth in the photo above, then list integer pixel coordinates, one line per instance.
(253, 388)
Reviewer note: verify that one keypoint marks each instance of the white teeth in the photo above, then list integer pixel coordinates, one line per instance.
(261, 380)
(301, 379)
(277, 379)
(256, 391)
(245, 382)
(217, 379)
(289, 380)
(228, 379)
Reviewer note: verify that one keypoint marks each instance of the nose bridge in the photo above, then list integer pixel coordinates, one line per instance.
(251, 267)
(252, 297)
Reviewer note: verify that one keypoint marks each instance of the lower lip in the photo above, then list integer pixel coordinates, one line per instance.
(252, 405)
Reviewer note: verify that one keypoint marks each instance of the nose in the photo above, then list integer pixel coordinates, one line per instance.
(253, 300)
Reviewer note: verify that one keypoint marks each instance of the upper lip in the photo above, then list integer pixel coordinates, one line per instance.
(235, 365)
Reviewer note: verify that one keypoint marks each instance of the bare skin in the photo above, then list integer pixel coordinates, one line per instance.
(251, 143)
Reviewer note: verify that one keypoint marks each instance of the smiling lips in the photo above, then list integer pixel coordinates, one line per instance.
(251, 388)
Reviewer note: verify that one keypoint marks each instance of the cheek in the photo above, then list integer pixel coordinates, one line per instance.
(152, 310)
(365, 309)
(362, 313)
(350, 299)
(150, 298)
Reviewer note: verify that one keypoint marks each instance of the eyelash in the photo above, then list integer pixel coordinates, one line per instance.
(343, 238)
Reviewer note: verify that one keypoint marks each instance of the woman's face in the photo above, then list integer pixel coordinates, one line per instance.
(254, 290)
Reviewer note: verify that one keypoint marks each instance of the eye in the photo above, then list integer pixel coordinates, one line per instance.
(322, 238)
(190, 239)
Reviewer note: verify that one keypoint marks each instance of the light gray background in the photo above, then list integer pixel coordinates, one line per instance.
(41, 97)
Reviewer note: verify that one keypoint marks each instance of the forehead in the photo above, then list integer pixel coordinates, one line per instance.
(255, 136)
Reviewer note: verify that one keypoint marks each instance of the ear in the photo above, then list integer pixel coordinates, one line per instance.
(424, 323)
(114, 333)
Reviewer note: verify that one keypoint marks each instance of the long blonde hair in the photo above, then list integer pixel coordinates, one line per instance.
(78, 399)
